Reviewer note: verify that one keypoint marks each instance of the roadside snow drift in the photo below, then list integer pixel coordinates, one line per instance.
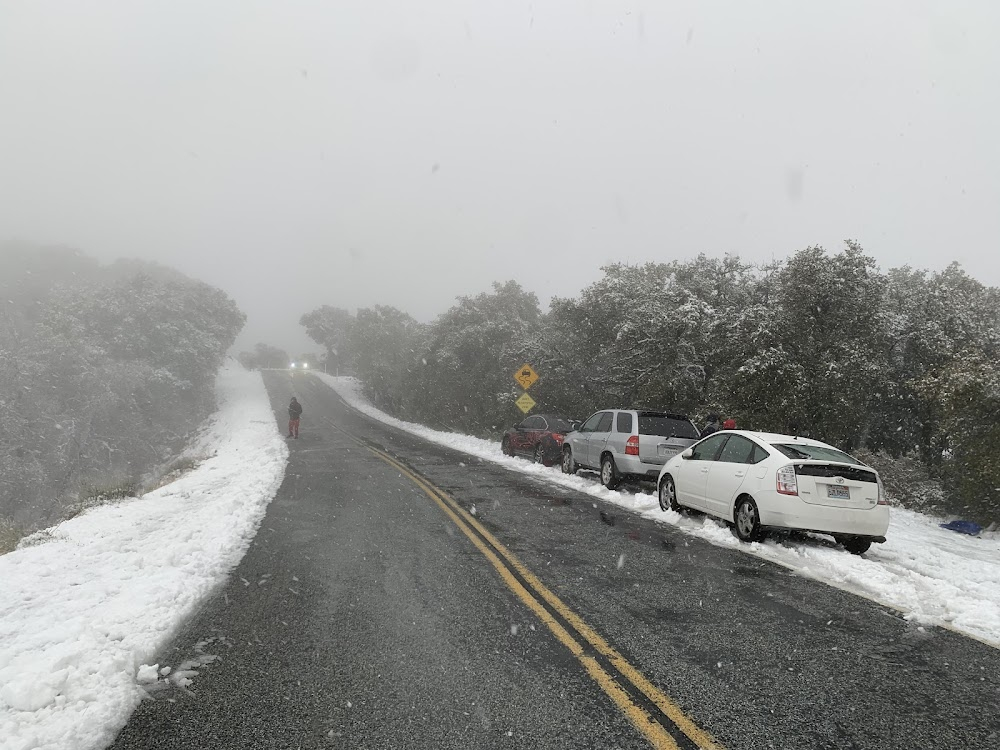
(85, 604)
(931, 575)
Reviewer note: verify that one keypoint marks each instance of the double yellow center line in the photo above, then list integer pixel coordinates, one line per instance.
(652, 712)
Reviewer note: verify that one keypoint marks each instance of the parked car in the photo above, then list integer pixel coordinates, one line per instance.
(540, 436)
(627, 444)
(761, 481)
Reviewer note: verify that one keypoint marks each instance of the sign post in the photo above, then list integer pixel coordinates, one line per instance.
(526, 377)
(525, 403)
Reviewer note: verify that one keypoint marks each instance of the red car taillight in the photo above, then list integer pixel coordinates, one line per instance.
(558, 438)
(632, 446)
(787, 483)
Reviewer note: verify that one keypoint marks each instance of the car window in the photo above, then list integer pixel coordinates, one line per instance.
(816, 453)
(737, 450)
(759, 454)
(707, 448)
(664, 426)
(558, 424)
(624, 422)
(591, 424)
(605, 424)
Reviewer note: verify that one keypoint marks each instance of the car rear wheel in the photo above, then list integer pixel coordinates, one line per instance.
(747, 518)
(668, 495)
(609, 473)
(856, 545)
(568, 464)
(539, 455)
(505, 447)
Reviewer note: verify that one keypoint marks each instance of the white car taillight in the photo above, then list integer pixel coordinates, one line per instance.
(787, 482)
(632, 446)
(882, 499)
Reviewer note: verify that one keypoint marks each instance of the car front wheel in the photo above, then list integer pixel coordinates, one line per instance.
(609, 473)
(668, 495)
(505, 447)
(747, 517)
(568, 464)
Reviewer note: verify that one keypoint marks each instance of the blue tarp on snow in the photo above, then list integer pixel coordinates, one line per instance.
(963, 527)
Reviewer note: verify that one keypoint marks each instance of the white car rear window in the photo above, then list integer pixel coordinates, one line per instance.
(816, 453)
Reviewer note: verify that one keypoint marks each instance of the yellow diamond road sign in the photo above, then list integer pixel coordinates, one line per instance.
(525, 403)
(526, 376)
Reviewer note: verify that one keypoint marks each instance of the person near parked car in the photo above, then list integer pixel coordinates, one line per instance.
(713, 424)
(294, 415)
(729, 424)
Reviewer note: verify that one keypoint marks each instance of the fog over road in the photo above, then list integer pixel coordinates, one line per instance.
(402, 595)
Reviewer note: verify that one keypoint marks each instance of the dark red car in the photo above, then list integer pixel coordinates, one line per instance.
(540, 436)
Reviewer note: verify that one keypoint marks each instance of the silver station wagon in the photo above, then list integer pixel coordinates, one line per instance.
(627, 444)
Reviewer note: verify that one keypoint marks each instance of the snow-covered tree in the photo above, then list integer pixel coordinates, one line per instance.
(386, 342)
(330, 327)
(103, 372)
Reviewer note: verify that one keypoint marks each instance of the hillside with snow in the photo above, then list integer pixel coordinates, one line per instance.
(85, 604)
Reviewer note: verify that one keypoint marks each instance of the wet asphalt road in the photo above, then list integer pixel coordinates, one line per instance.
(362, 618)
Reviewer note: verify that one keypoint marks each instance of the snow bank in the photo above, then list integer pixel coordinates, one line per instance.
(94, 598)
(931, 575)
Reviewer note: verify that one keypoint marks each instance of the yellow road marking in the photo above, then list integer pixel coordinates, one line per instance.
(655, 733)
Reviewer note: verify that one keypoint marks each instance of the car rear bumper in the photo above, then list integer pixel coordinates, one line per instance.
(552, 451)
(633, 466)
(786, 512)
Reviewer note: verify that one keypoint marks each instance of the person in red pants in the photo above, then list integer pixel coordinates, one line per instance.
(294, 415)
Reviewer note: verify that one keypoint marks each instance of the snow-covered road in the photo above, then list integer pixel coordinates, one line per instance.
(85, 604)
(931, 575)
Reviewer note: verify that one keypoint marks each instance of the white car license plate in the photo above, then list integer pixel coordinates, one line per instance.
(838, 493)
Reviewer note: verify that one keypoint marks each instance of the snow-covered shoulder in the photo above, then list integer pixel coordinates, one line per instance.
(83, 610)
(932, 576)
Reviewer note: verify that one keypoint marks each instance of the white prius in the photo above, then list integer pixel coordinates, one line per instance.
(760, 481)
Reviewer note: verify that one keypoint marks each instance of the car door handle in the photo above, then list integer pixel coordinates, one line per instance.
(740, 473)
(704, 470)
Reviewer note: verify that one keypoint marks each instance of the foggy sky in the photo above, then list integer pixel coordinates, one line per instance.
(366, 152)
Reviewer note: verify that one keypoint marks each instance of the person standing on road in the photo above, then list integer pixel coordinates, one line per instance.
(294, 415)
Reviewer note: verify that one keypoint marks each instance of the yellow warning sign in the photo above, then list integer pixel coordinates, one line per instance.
(525, 403)
(526, 376)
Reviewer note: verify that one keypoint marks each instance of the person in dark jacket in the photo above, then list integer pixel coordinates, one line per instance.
(294, 415)
(712, 425)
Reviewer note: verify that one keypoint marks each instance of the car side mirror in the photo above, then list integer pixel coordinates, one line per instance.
(687, 453)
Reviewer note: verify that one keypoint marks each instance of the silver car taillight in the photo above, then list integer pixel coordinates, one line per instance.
(882, 498)
(788, 484)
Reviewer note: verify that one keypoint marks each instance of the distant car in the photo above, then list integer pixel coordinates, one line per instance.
(761, 481)
(627, 444)
(540, 436)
